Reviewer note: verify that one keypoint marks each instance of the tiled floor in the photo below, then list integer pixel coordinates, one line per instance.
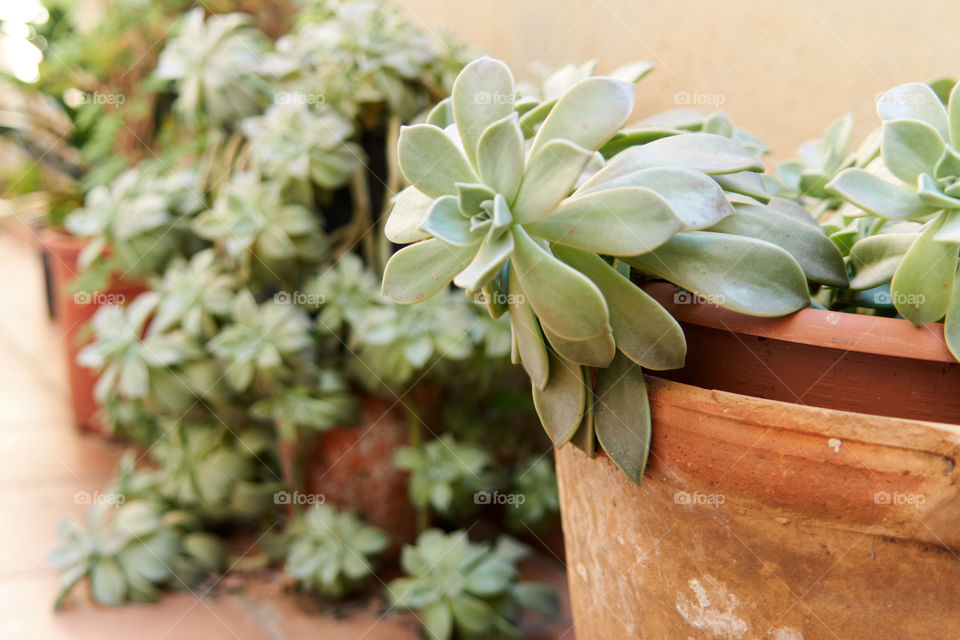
(46, 462)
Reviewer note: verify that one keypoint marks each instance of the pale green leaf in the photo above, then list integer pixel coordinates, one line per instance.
(431, 162)
(622, 416)
(875, 258)
(526, 332)
(560, 404)
(923, 283)
(588, 114)
(420, 270)
(910, 148)
(596, 351)
(914, 101)
(550, 176)
(494, 251)
(876, 195)
(500, 156)
(482, 94)
(444, 221)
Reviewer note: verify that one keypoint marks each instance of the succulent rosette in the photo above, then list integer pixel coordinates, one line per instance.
(512, 202)
(916, 178)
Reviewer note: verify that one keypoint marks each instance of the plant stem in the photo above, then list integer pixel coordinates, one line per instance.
(415, 427)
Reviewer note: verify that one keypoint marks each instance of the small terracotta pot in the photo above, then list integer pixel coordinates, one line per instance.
(352, 468)
(759, 519)
(73, 312)
(868, 364)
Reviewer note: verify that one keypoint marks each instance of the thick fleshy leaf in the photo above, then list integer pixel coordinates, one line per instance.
(444, 221)
(948, 164)
(817, 254)
(526, 332)
(564, 300)
(442, 114)
(470, 197)
(634, 137)
(585, 438)
(747, 183)
(951, 323)
(950, 230)
(914, 101)
(437, 620)
(588, 114)
(953, 114)
(561, 403)
(593, 352)
(923, 283)
(500, 156)
(910, 148)
(420, 270)
(632, 72)
(493, 253)
(930, 193)
(107, 582)
(623, 221)
(706, 152)
(622, 416)
(694, 197)
(742, 274)
(644, 331)
(431, 162)
(549, 177)
(875, 258)
(482, 94)
(877, 196)
(532, 118)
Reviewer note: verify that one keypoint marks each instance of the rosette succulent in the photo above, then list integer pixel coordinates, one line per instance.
(544, 227)
(916, 178)
(332, 552)
(461, 589)
(214, 64)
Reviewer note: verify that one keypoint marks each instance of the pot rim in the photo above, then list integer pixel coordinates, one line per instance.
(893, 337)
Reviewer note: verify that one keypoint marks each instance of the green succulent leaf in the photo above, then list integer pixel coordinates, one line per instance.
(482, 94)
(446, 222)
(410, 209)
(622, 416)
(743, 274)
(500, 156)
(564, 300)
(931, 194)
(588, 115)
(914, 101)
(527, 334)
(953, 112)
(550, 175)
(560, 404)
(431, 161)
(950, 229)
(418, 271)
(910, 148)
(877, 196)
(495, 249)
(107, 582)
(619, 221)
(875, 258)
(645, 332)
(951, 323)
(597, 351)
(923, 282)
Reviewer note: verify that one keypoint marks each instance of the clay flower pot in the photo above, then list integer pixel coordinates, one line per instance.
(759, 519)
(73, 311)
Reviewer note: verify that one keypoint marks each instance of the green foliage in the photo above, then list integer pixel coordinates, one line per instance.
(461, 589)
(319, 407)
(331, 552)
(445, 475)
(128, 550)
(535, 479)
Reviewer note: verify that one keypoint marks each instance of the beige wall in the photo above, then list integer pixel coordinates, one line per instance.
(783, 69)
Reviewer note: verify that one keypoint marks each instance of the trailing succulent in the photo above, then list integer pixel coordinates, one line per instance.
(332, 552)
(128, 550)
(512, 202)
(461, 589)
(911, 195)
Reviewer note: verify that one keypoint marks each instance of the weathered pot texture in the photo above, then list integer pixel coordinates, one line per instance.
(868, 364)
(73, 311)
(760, 519)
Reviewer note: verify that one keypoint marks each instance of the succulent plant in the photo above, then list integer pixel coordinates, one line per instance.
(537, 502)
(526, 223)
(916, 178)
(332, 552)
(327, 404)
(256, 226)
(445, 475)
(461, 589)
(295, 142)
(208, 470)
(129, 550)
(348, 290)
(214, 64)
(260, 340)
(133, 361)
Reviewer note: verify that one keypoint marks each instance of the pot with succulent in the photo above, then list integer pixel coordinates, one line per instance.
(553, 208)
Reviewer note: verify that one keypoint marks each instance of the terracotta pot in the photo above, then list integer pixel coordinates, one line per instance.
(352, 468)
(760, 519)
(867, 364)
(73, 311)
